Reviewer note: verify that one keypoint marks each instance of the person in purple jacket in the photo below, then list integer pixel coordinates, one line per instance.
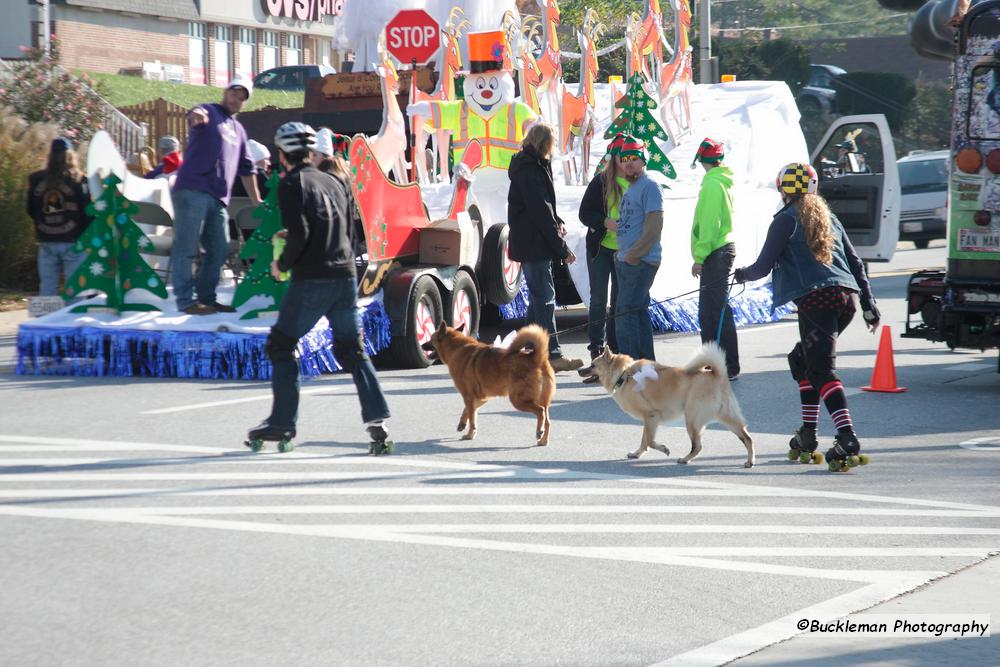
(216, 152)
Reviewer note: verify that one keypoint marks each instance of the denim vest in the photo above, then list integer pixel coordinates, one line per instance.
(797, 272)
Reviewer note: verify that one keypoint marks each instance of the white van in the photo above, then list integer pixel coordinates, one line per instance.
(923, 179)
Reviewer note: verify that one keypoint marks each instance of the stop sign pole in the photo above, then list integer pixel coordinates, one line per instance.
(413, 35)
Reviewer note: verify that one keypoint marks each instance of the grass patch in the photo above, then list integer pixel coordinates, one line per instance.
(123, 91)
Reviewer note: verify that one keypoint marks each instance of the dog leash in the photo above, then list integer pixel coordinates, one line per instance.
(580, 327)
(722, 317)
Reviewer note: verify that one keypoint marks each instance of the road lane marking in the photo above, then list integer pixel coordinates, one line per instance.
(235, 401)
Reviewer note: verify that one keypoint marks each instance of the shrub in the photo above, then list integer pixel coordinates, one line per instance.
(40, 91)
(23, 148)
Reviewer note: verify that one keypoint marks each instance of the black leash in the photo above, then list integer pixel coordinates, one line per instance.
(646, 307)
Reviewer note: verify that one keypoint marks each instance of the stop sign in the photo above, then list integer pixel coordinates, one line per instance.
(413, 35)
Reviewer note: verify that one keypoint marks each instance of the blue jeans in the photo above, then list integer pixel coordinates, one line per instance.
(542, 300)
(53, 257)
(601, 268)
(199, 218)
(305, 302)
(635, 329)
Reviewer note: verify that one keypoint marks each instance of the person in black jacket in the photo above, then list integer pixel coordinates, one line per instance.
(536, 232)
(599, 212)
(319, 253)
(57, 203)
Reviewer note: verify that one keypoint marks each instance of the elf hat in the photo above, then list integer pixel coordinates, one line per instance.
(710, 151)
(486, 51)
(632, 146)
(615, 147)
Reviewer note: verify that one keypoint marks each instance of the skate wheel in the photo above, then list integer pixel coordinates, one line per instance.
(285, 446)
(817, 457)
(793, 454)
(380, 448)
(863, 459)
(853, 461)
(836, 465)
(255, 444)
(805, 457)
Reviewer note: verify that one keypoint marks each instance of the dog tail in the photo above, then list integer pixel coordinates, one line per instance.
(709, 356)
(532, 341)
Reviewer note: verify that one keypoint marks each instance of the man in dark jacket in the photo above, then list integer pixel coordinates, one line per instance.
(536, 232)
(57, 203)
(319, 252)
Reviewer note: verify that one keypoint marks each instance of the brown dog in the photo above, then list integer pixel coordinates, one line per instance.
(654, 393)
(520, 372)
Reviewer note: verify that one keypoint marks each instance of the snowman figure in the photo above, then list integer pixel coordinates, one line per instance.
(489, 114)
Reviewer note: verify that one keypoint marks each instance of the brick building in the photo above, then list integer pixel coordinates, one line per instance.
(209, 40)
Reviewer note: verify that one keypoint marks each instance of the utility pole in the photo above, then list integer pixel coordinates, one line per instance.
(705, 42)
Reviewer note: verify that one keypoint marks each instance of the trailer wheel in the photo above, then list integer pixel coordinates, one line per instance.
(501, 276)
(464, 311)
(477, 225)
(424, 313)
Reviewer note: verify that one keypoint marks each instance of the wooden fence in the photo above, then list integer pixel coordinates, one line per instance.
(161, 117)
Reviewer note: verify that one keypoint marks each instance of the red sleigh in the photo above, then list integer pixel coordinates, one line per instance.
(418, 297)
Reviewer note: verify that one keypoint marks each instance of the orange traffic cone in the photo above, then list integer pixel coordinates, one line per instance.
(884, 374)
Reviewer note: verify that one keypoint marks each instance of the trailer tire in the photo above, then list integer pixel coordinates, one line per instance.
(424, 313)
(464, 310)
(500, 276)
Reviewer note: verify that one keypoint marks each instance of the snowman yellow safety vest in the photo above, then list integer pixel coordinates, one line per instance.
(500, 135)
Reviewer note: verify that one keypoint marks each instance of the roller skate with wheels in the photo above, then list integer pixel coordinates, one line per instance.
(802, 446)
(845, 453)
(380, 443)
(264, 432)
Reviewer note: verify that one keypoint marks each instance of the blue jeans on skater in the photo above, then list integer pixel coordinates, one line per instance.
(55, 257)
(304, 304)
(634, 328)
(199, 220)
(542, 300)
(600, 318)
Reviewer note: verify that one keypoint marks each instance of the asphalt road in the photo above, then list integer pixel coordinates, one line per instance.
(137, 530)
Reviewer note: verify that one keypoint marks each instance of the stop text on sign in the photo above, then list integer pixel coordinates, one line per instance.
(413, 37)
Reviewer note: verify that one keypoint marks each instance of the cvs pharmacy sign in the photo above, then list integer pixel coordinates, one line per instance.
(302, 10)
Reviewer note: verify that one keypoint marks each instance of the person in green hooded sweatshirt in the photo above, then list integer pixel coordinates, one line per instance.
(714, 251)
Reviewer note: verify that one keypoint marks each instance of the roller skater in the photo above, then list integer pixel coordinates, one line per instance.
(264, 432)
(815, 266)
(319, 252)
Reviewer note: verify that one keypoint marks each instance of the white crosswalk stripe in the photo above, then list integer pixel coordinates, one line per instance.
(451, 504)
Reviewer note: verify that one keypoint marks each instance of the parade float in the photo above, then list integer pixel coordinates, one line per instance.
(436, 244)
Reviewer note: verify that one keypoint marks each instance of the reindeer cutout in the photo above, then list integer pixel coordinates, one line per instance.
(549, 65)
(529, 72)
(446, 92)
(676, 77)
(578, 110)
(389, 145)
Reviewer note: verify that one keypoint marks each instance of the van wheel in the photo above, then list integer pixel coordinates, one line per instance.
(501, 276)
(464, 311)
(423, 315)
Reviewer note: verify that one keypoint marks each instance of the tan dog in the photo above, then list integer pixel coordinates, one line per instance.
(655, 393)
(521, 372)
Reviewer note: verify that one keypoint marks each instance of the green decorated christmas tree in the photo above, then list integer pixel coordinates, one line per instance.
(259, 250)
(638, 120)
(112, 243)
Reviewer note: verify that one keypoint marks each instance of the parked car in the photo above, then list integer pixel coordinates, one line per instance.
(818, 94)
(923, 179)
(290, 77)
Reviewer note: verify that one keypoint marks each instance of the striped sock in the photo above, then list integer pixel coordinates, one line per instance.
(810, 404)
(833, 396)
